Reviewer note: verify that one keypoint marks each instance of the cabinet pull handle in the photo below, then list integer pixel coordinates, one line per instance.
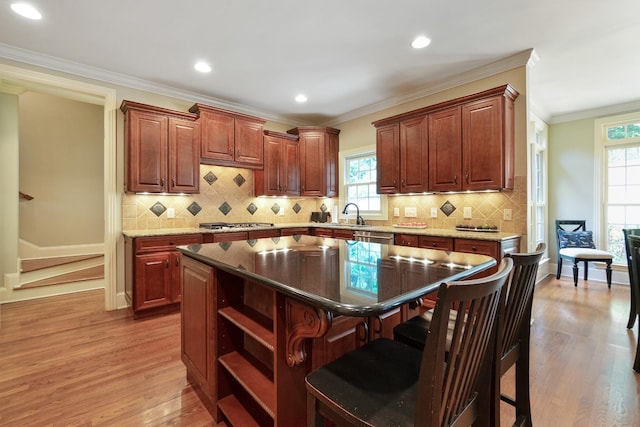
(364, 328)
(378, 330)
(455, 179)
(162, 182)
(167, 263)
(177, 262)
(230, 151)
(173, 182)
(238, 153)
(467, 178)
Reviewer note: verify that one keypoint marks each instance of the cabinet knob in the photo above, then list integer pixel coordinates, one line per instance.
(230, 151)
(167, 263)
(467, 178)
(173, 182)
(434, 245)
(162, 182)
(238, 153)
(455, 179)
(473, 248)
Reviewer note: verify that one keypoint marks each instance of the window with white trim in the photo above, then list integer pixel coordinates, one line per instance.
(360, 184)
(621, 143)
(538, 184)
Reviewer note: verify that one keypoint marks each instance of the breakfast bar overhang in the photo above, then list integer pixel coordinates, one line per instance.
(258, 315)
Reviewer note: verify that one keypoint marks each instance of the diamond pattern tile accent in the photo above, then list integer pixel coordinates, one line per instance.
(194, 208)
(447, 208)
(225, 245)
(225, 208)
(297, 208)
(252, 242)
(252, 208)
(210, 178)
(275, 239)
(239, 180)
(275, 208)
(158, 208)
(296, 237)
(323, 207)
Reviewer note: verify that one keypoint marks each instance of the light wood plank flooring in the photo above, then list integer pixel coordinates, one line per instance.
(64, 361)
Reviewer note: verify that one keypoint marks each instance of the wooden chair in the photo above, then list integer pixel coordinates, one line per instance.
(634, 246)
(633, 309)
(386, 382)
(513, 336)
(575, 243)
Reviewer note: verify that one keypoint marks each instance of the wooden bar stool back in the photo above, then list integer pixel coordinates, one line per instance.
(513, 335)
(386, 382)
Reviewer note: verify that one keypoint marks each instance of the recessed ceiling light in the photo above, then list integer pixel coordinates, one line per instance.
(26, 10)
(420, 42)
(203, 67)
(301, 98)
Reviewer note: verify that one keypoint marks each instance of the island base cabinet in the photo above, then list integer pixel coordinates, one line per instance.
(198, 331)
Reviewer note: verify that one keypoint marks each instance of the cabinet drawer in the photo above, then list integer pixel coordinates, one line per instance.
(230, 237)
(407, 240)
(433, 242)
(293, 231)
(165, 243)
(343, 234)
(483, 247)
(323, 232)
(261, 234)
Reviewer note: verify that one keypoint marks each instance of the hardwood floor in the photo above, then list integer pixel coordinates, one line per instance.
(64, 361)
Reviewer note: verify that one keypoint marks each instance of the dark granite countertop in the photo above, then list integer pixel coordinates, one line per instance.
(341, 276)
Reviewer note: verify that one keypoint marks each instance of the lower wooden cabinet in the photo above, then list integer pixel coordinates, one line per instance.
(152, 273)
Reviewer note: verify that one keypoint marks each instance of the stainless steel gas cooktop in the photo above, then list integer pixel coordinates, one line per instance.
(221, 225)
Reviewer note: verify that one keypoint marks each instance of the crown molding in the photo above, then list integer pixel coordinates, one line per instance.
(608, 110)
(70, 67)
(514, 61)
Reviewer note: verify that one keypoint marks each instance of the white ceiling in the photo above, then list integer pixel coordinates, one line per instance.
(350, 57)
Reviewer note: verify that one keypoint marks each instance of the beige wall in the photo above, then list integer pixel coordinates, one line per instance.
(8, 185)
(61, 166)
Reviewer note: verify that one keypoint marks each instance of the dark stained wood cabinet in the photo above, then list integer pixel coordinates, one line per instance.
(318, 160)
(162, 150)
(402, 156)
(229, 138)
(281, 173)
(445, 150)
(468, 145)
(152, 274)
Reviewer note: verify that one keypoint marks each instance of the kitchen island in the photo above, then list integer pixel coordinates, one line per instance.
(258, 315)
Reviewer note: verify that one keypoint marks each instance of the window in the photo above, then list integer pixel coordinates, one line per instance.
(538, 184)
(618, 154)
(360, 175)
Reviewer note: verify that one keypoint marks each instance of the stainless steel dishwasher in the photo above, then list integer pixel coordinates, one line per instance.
(374, 237)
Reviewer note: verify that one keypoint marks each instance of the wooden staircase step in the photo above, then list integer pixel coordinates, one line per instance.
(27, 265)
(90, 273)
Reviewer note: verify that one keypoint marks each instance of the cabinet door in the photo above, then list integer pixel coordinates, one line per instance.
(248, 142)
(153, 280)
(269, 177)
(445, 150)
(387, 154)
(331, 165)
(413, 155)
(218, 133)
(199, 326)
(346, 334)
(146, 151)
(312, 164)
(407, 240)
(184, 156)
(482, 142)
(290, 168)
(435, 242)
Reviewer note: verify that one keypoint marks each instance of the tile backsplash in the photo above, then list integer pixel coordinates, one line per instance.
(226, 195)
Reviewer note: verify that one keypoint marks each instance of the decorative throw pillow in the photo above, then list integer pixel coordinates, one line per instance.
(576, 239)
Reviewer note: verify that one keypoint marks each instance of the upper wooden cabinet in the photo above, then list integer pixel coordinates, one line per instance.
(470, 144)
(402, 156)
(281, 173)
(162, 149)
(318, 160)
(230, 139)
